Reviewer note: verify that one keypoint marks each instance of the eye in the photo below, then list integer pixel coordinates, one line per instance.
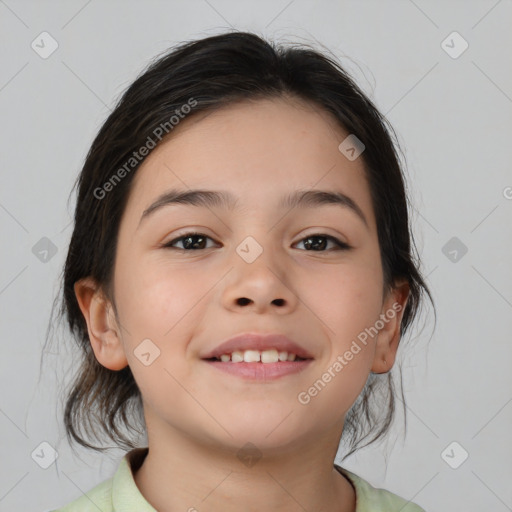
(190, 240)
(311, 242)
(197, 241)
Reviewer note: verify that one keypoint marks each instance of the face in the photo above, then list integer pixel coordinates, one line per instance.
(184, 296)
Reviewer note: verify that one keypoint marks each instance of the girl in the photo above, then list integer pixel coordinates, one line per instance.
(239, 275)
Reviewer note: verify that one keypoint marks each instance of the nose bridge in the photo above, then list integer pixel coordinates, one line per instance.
(260, 240)
(259, 258)
(256, 236)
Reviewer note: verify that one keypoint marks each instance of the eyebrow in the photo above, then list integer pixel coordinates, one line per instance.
(225, 199)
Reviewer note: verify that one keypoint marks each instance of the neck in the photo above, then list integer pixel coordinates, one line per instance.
(178, 473)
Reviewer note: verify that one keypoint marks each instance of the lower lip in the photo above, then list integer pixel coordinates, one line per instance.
(261, 371)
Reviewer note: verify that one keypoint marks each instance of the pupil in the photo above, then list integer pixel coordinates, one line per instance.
(192, 245)
(308, 243)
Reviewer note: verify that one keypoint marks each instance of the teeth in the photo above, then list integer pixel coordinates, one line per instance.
(269, 356)
(255, 356)
(237, 356)
(252, 356)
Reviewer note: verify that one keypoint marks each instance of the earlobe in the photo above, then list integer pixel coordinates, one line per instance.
(388, 337)
(104, 334)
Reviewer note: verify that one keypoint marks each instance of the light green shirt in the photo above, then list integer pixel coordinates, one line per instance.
(121, 494)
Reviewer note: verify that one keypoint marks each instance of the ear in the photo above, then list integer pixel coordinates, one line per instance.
(388, 337)
(104, 334)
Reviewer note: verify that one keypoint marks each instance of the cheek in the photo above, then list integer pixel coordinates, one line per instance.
(348, 298)
(348, 302)
(155, 300)
(159, 303)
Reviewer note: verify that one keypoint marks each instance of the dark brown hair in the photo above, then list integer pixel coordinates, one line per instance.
(216, 71)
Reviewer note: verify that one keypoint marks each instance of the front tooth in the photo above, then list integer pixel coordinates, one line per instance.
(291, 357)
(225, 358)
(252, 356)
(283, 356)
(269, 356)
(237, 356)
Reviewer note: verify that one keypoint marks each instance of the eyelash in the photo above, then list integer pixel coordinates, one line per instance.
(342, 246)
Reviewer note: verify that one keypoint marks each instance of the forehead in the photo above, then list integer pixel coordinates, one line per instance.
(258, 149)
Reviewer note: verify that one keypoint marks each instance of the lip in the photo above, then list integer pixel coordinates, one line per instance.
(257, 341)
(261, 371)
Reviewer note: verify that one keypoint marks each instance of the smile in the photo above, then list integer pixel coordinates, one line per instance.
(256, 356)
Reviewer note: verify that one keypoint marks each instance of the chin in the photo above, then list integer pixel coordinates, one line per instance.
(267, 431)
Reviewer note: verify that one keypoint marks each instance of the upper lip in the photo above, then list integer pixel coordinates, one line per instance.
(257, 341)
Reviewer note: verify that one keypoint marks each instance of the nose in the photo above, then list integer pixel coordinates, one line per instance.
(260, 286)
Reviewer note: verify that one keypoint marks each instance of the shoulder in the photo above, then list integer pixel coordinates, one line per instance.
(117, 493)
(98, 498)
(371, 499)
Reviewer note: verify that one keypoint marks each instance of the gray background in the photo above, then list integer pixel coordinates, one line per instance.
(453, 117)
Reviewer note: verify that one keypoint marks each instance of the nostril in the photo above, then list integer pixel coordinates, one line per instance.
(243, 301)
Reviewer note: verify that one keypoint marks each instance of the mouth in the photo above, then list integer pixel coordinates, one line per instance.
(256, 356)
(259, 357)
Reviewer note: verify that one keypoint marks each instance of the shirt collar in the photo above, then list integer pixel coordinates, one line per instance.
(125, 493)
